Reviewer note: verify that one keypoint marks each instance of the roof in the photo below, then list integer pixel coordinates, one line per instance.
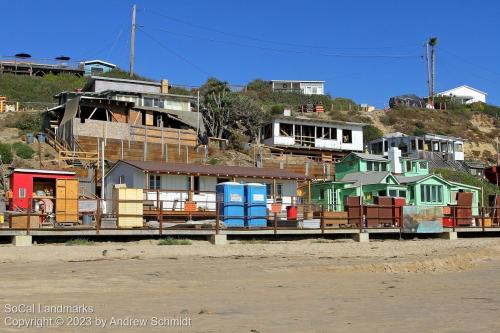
(416, 179)
(99, 62)
(370, 157)
(113, 79)
(316, 120)
(462, 86)
(314, 81)
(52, 172)
(365, 178)
(191, 119)
(212, 170)
(464, 185)
(475, 164)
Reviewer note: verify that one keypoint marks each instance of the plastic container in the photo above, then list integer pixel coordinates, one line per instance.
(255, 208)
(29, 138)
(291, 213)
(87, 219)
(40, 137)
(231, 203)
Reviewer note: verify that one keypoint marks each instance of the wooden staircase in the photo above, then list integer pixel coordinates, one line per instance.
(77, 158)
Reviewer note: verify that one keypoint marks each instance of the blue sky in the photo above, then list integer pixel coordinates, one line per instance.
(365, 50)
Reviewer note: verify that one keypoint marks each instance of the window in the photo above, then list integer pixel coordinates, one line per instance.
(402, 193)
(148, 101)
(423, 165)
(154, 182)
(346, 136)
(431, 193)
(383, 166)
(121, 180)
(195, 186)
(315, 90)
(369, 166)
(386, 148)
(413, 145)
(22, 193)
(279, 190)
(408, 166)
(321, 194)
(376, 166)
(393, 193)
(459, 147)
(268, 190)
(268, 131)
(286, 129)
(96, 70)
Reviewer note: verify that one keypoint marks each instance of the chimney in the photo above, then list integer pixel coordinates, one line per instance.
(395, 160)
(164, 87)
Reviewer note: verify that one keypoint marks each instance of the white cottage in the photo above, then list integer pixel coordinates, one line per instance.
(465, 94)
(176, 182)
(303, 135)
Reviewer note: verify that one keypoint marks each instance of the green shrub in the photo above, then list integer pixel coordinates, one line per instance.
(174, 241)
(5, 153)
(30, 122)
(277, 109)
(23, 150)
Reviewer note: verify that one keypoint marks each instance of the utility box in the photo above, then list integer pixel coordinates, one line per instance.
(129, 213)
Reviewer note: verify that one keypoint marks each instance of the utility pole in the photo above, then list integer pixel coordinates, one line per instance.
(429, 99)
(132, 44)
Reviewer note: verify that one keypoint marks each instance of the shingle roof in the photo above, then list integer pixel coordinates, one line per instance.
(371, 157)
(412, 179)
(214, 170)
(365, 178)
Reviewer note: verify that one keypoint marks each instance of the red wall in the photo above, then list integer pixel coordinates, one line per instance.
(25, 180)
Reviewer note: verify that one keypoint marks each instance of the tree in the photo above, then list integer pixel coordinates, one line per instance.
(371, 132)
(246, 116)
(215, 106)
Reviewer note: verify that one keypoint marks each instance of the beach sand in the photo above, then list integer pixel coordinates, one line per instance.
(429, 285)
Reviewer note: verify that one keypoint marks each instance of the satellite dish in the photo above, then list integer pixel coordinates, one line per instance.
(63, 58)
(23, 55)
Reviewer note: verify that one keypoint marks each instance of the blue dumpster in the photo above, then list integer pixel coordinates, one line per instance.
(230, 200)
(29, 138)
(256, 210)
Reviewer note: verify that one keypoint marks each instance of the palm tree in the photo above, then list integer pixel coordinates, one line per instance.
(432, 43)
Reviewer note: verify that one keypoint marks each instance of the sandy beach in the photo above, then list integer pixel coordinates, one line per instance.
(306, 285)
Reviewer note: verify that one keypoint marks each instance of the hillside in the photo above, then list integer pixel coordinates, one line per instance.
(476, 123)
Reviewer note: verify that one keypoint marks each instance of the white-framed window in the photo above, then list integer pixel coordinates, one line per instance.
(22, 193)
(154, 182)
(121, 179)
(431, 193)
(279, 190)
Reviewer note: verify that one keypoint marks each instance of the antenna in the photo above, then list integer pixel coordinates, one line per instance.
(132, 44)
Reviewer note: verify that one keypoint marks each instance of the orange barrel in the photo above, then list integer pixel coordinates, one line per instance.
(291, 212)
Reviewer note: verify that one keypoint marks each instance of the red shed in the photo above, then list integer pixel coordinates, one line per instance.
(25, 183)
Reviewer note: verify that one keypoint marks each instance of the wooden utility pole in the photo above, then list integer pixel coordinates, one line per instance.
(132, 44)
(429, 99)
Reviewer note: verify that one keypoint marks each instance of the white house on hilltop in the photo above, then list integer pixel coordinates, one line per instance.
(465, 94)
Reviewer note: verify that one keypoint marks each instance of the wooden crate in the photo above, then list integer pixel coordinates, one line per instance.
(20, 222)
(67, 200)
(335, 218)
(134, 209)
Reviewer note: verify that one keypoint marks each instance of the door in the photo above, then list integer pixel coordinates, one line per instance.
(67, 200)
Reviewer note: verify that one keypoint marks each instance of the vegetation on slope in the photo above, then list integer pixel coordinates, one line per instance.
(22, 88)
(466, 178)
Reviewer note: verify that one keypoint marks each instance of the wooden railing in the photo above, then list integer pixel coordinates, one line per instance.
(85, 158)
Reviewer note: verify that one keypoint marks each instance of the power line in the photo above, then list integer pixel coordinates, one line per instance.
(267, 41)
(281, 50)
(468, 61)
(201, 70)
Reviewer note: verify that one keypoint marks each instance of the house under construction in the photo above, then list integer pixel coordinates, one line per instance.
(137, 120)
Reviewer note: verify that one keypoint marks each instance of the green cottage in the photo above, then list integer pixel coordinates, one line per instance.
(368, 175)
